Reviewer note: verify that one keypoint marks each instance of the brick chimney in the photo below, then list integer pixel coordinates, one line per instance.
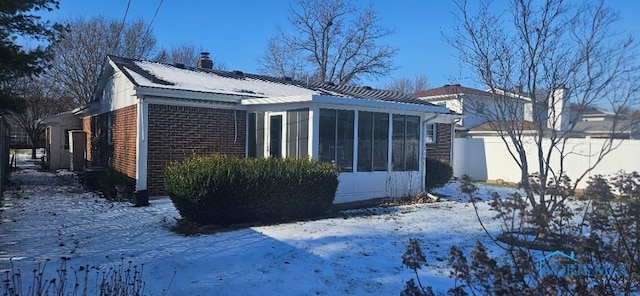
(204, 62)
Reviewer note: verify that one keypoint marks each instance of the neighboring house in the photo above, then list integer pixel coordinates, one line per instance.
(19, 137)
(57, 136)
(476, 105)
(147, 115)
(479, 107)
(602, 124)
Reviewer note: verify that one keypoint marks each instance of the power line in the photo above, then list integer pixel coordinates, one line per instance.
(124, 19)
(154, 17)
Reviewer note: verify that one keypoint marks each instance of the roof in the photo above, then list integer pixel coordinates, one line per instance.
(449, 89)
(245, 85)
(525, 125)
(605, 126)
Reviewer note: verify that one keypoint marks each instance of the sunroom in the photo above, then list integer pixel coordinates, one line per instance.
(378, 145)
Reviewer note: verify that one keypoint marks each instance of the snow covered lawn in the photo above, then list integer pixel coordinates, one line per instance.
(51, 216)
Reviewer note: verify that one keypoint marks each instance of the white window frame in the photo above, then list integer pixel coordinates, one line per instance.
(431, 135)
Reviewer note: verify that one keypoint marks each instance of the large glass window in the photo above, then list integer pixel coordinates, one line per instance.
(406, 131)
(373, 141)
(256, 145)
(336, 137)
(297, 133)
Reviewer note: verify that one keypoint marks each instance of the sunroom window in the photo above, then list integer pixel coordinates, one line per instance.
(406, 132)
(373, 141)
(336, 138)
(297, 133)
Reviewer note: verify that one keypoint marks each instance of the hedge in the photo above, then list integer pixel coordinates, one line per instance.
(219, 189)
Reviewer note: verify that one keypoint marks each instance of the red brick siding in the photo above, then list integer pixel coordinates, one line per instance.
(124, 140)
(86, 127)
(176, 132)
(442, 147)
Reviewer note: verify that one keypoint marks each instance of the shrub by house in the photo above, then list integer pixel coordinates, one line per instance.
(438, 173)
(220, 189)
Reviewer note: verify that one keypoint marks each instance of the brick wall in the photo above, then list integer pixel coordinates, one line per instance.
(124, 140)
(177, 132)
(442, 147)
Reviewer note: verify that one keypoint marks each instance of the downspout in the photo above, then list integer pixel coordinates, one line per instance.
(453, 137)
(235, 126)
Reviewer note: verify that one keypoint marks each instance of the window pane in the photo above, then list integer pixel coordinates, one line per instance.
(292, 134)
(251, 135)
(381, 141)
(398, 142)
(275, 133)
(260, 144)
(344, 147)
(412, 150)
(431, 130)
(303, 133)
(365, 144)
(327, 131)
(297, 133)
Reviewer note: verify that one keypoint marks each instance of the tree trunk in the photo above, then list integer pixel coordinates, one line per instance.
(33, 151)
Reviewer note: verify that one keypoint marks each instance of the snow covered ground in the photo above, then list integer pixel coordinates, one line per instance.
(51, 216)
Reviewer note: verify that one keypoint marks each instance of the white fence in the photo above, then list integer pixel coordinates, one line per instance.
(487, 158)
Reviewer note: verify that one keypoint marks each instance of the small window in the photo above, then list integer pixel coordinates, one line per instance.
(110, 128)
(431, 131)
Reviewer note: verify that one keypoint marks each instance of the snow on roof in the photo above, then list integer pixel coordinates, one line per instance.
(164, 76)
(201, 81)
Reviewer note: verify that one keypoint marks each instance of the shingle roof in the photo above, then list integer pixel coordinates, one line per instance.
(524, 125)
(448, 90)
(158, 75)
(605, 126)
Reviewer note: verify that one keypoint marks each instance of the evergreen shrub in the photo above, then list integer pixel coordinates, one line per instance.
(219, 189)
(438, 174)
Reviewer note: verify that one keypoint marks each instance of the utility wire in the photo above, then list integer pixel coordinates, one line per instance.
(153, 18)
(124, 19)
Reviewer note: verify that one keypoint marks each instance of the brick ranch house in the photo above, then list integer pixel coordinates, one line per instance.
(147, 114)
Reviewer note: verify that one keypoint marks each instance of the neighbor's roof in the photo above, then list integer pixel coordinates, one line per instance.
(448, 89)
(605, 126)
(524, 125)
(164, 76)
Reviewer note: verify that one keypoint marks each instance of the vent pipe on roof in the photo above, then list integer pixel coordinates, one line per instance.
(238, 73)
(205, 62)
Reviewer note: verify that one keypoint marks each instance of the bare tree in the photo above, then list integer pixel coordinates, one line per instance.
(41, 101)
(332, 41)
(562, 59)
(279, 60)
(186, 54)
(408, 86)
(80, 54)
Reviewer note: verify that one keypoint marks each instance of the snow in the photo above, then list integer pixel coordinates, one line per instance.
(48, 215)
(185, 79)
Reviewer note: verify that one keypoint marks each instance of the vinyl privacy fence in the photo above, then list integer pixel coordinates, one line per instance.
(487, 158)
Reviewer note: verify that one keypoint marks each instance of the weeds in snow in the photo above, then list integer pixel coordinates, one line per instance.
(120, 279)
